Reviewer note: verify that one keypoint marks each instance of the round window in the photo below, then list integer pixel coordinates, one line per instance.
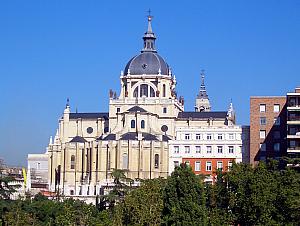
(89, 130)
(164, 128)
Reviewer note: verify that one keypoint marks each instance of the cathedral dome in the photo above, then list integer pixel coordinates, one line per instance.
(147, 63)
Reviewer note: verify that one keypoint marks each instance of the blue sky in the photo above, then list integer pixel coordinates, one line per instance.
(51, 50)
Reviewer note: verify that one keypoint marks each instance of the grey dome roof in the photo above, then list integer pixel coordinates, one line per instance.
(149, 63)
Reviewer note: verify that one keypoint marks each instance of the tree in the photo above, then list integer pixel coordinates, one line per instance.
(218, 200)
(252, 194)
(144, 205)
(119, 189)
(184, 198)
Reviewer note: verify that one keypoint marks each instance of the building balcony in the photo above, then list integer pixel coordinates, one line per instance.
(293, 122)
(293, 136)
(293, 149)
(294, 108)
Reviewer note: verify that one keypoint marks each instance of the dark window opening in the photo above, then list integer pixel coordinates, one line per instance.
(144, 90)
(132, 124)
(156, 161)
(143, 124)
(135, 92)
(73, 162)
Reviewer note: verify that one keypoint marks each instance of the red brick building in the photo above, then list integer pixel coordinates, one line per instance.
(209, 166)
(267, 128)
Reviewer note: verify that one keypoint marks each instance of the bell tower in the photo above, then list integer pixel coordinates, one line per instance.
(202, 100)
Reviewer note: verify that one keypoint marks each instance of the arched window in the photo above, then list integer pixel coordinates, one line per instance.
(132, 124)
(73, 162)
(156, 161)
(164, 90)
(125, 161)
(144, 90)
(135, 92)
(152, 93)
(143, 124)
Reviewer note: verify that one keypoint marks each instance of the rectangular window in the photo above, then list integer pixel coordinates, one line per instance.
(262, 147)
(276, 107)
(220, 136)
(197, 166)
(208, 137)
(220, 149)
(292, 143)
(276, 121)
(176, 149)
(229, 165)
(276, 135)
(277, 147)
(230, 149)
(262, 134)
(220, 165)
(198, 149)
(231, 137)
(187, 149)
(262, 108)
(164, 110)
(208, 149)
(208, 166)
(263, 121)
(187, 136)
(176, 164)
(198, 136)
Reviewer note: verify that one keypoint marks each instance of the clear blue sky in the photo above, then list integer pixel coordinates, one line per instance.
(51, 50)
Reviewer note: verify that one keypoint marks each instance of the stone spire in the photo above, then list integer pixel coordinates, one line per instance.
(202, 92)
(202, 100)
(149, 37)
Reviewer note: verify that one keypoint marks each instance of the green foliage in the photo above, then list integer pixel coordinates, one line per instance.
(119, 190)
(267, 194)
(184, 198)
(144, 205)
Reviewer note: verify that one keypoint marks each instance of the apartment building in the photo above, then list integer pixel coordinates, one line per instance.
(267, 128)
(293, 123)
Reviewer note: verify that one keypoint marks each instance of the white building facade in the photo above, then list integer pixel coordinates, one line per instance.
(208, 144)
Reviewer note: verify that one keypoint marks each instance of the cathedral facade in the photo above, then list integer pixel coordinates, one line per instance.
(135, 135)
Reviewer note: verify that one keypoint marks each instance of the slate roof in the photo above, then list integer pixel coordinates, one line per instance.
(166, 138)
(136, 109)
(129, 136)
(110, 136)
(148, 136)
(89, 115)
(202, 115)
(133, 136)
(147, 63)
(78, 139)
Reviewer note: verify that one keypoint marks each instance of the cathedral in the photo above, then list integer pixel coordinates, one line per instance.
(134, 135)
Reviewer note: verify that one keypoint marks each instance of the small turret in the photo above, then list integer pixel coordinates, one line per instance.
(231, 114)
